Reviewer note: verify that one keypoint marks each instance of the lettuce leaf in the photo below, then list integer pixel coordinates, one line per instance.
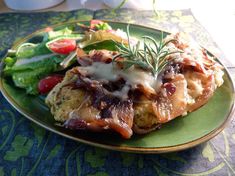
(54, 34)
(95, 38)
(28, 50)
(106, 44)
(103, 26)
(28, 75)
(32, 50)
(27, 80)
(31, 62)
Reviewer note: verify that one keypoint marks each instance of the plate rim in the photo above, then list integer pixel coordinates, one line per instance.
(146, 150)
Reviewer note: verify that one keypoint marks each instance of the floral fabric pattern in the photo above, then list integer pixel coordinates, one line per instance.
(27, 149)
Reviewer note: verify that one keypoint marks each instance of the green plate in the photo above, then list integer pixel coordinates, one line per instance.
(181, 133)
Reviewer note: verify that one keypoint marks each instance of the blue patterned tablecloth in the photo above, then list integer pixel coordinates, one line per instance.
(27, 149)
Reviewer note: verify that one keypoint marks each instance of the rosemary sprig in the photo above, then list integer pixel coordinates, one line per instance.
(152, 57)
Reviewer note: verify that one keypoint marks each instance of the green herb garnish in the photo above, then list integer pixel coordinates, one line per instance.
(103, 26)
(152, 57)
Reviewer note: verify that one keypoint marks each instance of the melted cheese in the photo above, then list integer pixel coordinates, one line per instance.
(133, 77)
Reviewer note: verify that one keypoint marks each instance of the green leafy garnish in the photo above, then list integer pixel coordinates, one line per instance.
(28, 50)
(29, 74)
(30, 62)
(152, 57)
(26, 73)
(9, 61)
(97, 37)
(103, 26)
(54, 34)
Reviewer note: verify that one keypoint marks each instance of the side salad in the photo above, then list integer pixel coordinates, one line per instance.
(37, 67)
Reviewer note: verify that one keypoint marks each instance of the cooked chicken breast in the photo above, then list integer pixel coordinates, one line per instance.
(99, 95)
(84, 104)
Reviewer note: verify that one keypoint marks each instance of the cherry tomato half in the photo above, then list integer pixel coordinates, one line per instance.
(46, 84)
(63, 46)
(93, 23)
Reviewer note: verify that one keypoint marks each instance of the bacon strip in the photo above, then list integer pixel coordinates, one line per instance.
(101, 111)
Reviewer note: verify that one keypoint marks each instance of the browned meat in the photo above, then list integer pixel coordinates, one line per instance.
(172, 99)
(95, 110)
(100, 95)
(200, 88)
(94, 56)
